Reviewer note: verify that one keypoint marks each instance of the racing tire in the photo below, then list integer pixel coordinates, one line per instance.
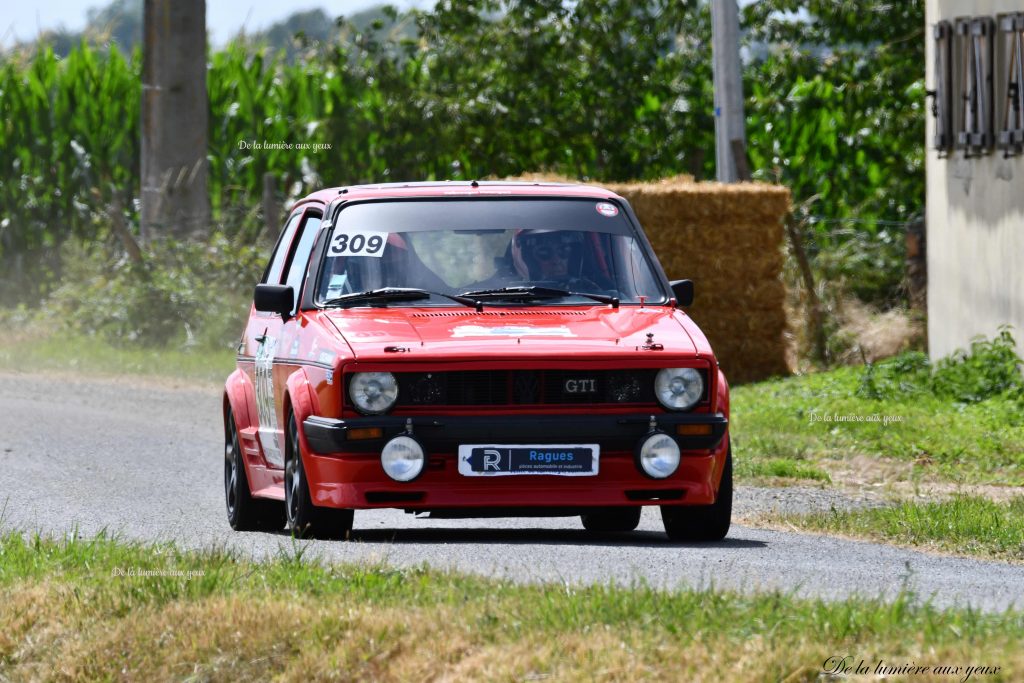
(609, 520)
(702, 523)
(306, 520)
(245, 513)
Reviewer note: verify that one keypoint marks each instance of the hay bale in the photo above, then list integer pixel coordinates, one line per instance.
(728, 239)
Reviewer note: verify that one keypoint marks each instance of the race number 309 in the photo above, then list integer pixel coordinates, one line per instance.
(365, 243)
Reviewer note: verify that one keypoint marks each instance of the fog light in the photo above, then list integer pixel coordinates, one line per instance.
(658, 455)
(402, 458)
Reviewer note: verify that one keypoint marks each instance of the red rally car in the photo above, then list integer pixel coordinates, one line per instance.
(469, 350)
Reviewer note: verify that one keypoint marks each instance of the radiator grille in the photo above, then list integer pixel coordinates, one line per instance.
(526, 387)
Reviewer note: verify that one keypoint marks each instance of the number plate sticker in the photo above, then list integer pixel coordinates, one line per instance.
(358, 243)
(496, 460)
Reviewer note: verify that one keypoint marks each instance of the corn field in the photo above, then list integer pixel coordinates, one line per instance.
(70, 139)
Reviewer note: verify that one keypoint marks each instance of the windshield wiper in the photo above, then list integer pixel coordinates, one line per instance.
(386, 294)
(537, 292)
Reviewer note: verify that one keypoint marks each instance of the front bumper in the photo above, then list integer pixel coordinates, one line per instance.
(445, 433)
(346, 473)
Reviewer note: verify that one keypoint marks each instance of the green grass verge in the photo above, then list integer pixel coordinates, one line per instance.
(966, 525)
(100, 609)
(66, 352)
(816, 417)
(779, 468)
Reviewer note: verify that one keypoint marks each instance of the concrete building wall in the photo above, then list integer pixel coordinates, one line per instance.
(975, 217)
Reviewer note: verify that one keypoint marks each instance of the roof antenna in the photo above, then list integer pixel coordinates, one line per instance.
(474, 184)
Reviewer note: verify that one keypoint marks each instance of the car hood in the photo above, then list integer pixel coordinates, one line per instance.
(596, 331)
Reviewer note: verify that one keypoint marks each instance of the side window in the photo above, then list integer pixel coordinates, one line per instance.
(272, 276)
(299, 259)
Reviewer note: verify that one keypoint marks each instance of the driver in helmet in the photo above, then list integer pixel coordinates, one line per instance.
(541, 255)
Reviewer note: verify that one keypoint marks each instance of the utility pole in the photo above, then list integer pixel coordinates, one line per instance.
(175, 201)
(730, 131)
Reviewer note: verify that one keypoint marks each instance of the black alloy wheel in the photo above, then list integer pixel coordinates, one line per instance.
(306, 520)
(702, 523)
(245, 513)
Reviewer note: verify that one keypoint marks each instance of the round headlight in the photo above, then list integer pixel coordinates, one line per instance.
(678, 388)
(373, 393)
(402, 458)
(659, 455)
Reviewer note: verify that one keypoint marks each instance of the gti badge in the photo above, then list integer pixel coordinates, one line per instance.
(580, 386)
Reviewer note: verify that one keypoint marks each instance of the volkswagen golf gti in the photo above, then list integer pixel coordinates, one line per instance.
(473, 349)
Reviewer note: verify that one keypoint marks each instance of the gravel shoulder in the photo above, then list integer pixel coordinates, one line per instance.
(754, 503)
(143, 461)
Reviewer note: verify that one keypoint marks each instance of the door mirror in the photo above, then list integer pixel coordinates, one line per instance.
(274, 299)
(683, 292)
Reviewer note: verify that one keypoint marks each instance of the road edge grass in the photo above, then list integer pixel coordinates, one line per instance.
(757, 470)
(812, 421)
(70, 353)
(966, 525)
(102, 608)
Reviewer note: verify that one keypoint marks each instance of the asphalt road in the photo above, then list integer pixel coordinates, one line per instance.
(145, 461)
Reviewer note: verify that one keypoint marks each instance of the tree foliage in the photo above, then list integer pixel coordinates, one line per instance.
(836, 111)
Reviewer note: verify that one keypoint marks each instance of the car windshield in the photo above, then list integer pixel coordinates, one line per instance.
(536, 250)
